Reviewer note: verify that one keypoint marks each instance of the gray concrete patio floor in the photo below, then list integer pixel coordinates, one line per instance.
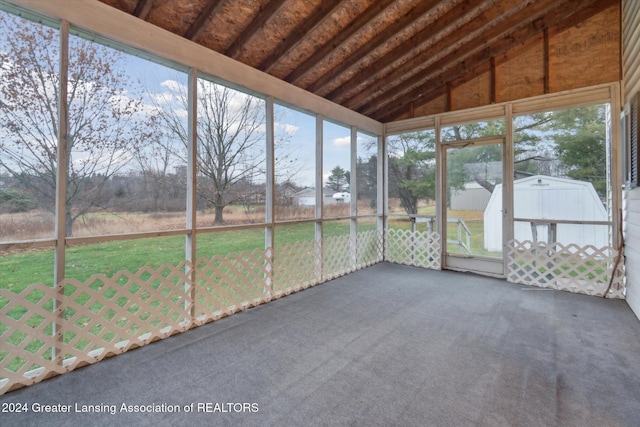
(387, 345)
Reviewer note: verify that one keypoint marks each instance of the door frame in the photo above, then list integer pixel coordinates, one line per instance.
(490, 266)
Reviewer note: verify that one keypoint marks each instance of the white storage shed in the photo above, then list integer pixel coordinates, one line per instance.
(546, 200)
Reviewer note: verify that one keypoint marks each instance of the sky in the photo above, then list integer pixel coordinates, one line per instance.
(160, 84)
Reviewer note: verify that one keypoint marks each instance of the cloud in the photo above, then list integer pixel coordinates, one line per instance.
(174, 86)
(287, 128)
(345, 140)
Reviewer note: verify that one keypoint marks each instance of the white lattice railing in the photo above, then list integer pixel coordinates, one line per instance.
(586, 270)
(369, 248)
(44, 333)
(417, 248)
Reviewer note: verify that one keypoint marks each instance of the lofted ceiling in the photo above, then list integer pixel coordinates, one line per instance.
(381, 58)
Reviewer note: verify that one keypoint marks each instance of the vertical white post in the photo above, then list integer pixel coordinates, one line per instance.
(269, 230)
(353, 191)
(507, 188)
(616, 162)
(382, 196)
(192, 147)
(319, 196)
(61, 195)
(441, 194)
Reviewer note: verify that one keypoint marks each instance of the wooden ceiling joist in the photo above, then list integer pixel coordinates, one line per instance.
(323, 51)
(475, 35)
(143, 8)
(457, 54)
(450, 22)
(563, 15)
(382, 37)
(261, 19)
(386, 58)
(295, 38)
(200, 23)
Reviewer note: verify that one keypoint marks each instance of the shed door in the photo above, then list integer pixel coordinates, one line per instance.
(473, 171)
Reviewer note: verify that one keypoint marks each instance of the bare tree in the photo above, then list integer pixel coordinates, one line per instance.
(105, 122)
(231, 147)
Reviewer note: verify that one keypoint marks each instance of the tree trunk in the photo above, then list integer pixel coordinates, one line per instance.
(68, 222)
(218, 218)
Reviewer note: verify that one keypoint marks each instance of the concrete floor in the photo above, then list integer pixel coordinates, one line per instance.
(388, 345)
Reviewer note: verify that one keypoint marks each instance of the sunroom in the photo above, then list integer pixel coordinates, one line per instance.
(164, 165)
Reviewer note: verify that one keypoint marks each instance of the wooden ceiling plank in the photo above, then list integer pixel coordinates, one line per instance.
(567, 16)
(454, 53)
(142, 9)
(451, 21)
(378, 40)
(415, 68)
(197, 26)
(345, 34)
(317, 18)
(260, 20)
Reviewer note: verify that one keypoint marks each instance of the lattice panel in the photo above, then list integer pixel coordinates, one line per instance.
(418, 248)
(95, 319)
(295, 267)
(231, 283)
(26, 336)
(369, 249)
(337, 260)
(585, 270)
(110, 315)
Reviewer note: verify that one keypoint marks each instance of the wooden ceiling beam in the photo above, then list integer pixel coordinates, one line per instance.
(319, 15)
(197, 26)
(378, 40)
(448, 23)
(142, 9)
(476, 34)
(341, 37)
(564, 17)
(264, 15)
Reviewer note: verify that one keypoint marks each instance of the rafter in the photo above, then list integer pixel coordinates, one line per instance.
(448, 23)
(378, 40)
(260, 20)
(565, 16)
(197, 26)
(345, 34)
(143, 8)
(295, 37)
(475, 34)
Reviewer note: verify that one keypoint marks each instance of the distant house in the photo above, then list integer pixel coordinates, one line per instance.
(307, 197)
(342, 197)
(473, 196)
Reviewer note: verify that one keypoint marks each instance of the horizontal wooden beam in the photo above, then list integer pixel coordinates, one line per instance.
(297, 35)
(560, 17)
(129, 30)
(259, 21)
(197, 26)
(142, 9)
(474, 36)
(448, 23)
(378, 40)
(341, 37)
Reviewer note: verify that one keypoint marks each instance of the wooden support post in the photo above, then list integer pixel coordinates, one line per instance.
(192, 148)
(353, 191)
(62, 154)
(319, 196)
(545, 52)
(269, 231)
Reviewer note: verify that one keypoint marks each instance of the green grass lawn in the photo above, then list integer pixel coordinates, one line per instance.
(19, 270)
